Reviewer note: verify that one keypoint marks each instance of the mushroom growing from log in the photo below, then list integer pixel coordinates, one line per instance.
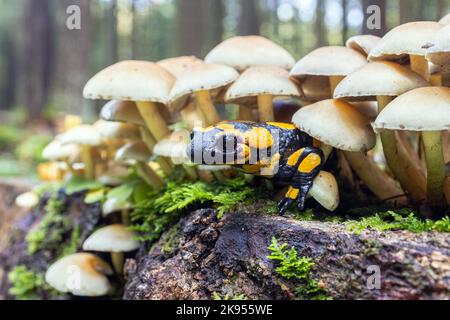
(426, 110)
(259, 86)
(115, 239)
(82, 274)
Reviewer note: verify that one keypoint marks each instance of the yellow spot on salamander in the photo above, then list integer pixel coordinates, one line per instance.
(292, 193)
(225, 126)
(309, 163)
(293, 158)
(282, 125)
(258, 137)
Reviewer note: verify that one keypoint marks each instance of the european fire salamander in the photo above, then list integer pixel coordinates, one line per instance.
(275, 150)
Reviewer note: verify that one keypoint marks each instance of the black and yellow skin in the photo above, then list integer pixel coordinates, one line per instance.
(274, 150)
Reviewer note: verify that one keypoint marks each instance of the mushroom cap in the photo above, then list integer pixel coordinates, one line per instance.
(112, 205)
(382, 78)
(177, 66)
(83, 134)
(439, 52)
(27, 200)
(112, 238)
(55, 150)
(325, 190)
(406, 39)
(131, 80)
(243, 52)
(315, 88)
(336, 123)
(369, 109)
(329, 61)
(173, 147)
(257, 81)
(362, 43)
(135, 150)
(200, 77)
(422, 109)
(123, 111)
(445, 20)
(82, 274)
(118, 130)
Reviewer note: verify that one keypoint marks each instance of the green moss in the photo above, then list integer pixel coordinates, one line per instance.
(217, 296)
(293, 267)
(51, 228)
(26, 284)
(171, 240)
(163, 208)
(74, 244)
(401, 220)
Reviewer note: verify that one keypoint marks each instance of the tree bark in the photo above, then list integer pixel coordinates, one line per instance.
(215, 14)
(319, 26)
(344, 21)
(191, 27)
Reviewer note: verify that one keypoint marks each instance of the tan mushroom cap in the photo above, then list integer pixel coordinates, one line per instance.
(177, 66)
(243, 52)
(173, 147)
(382, 78)
(201, 77)
(113, 238)
(261, 80)
(131, 80)
(82, 134)
(82, 274)
(118, 130)
(362, 43)
(423, 109)
(123, 111)
(325, 191)
(445, 20)
(406, 39)
(135, 150)
(336, 123)
(55, 150)
(112, 205)
(315, 88)
(439, 51)
(329, 61)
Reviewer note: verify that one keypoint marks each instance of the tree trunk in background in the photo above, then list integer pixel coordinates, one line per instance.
(441, 9)
(8, 80)
(319, 26)
(112, 34)
(344, 21)
(191, 33)
(249, 19)
(382, 5)
(73, 58)
(215, 13)
(405, 11)
(35, 56)
(134, 31)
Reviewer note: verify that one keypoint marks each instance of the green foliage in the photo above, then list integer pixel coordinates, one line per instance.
(293, 267)
(51, 228)
(72, 246)
(30, 149)
(402, 220)
(217, 296)
(164, 207)
(77, 185)
(26, 283)
(9, 136)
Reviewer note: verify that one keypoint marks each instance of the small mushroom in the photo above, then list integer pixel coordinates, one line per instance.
(426, 110)
(439, 50)
(325, 191)
(27, 200)
(201, 80)
(259, 85)
(382, 81)
(115, 239)
(87, 137)
(243, 52)
(56, 151)
(348, 130)
(82, 274)
(362, 43)
(407, 40)
(136, 152)
(332, 62)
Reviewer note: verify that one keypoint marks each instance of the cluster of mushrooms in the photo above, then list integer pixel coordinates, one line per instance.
(396, 86)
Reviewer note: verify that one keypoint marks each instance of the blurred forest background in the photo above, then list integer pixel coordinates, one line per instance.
(44, 66)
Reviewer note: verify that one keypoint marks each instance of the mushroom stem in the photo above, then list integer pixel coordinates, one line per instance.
(125, 217)
(245, 113)
(153, 119)
(334, 81)
(117, 259)
(399, 161)
(381, 184)
(204, 102)
(326, 149)
(265, 108)
(420, 65)
(150, 142)
(149, 176)
(436, 80)
(432, 141)
(190, 172)
(89, 172)
(192, 116)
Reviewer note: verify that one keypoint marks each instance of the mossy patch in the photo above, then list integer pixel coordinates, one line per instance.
(28, 285)
(217, 296)
(298, 269)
